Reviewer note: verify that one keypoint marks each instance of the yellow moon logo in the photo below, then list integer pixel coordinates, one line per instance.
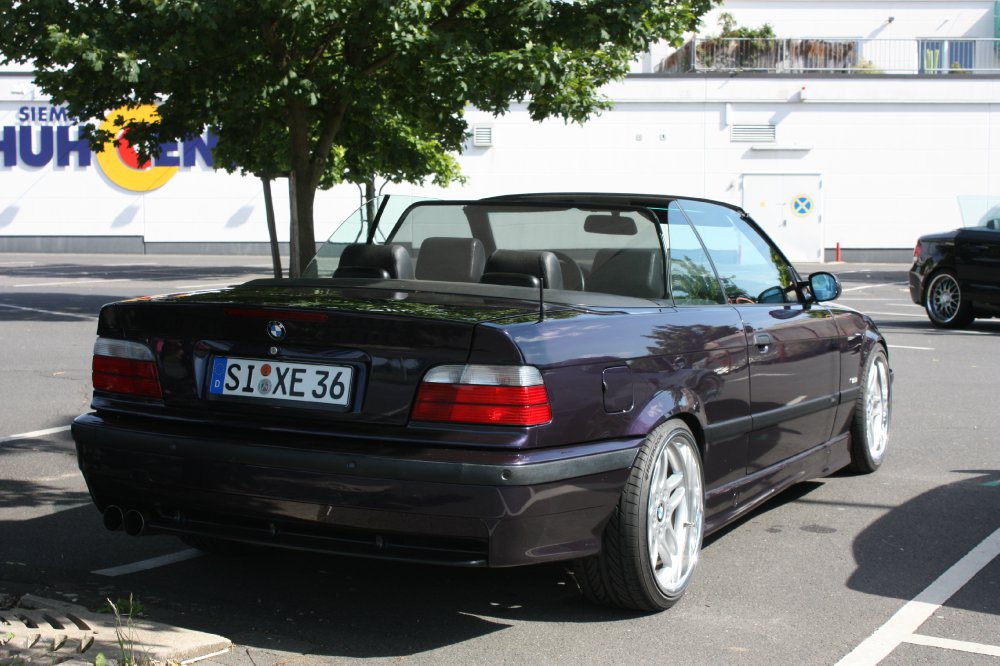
(121, 164)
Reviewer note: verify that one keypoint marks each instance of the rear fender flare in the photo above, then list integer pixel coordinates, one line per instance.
(667, 404)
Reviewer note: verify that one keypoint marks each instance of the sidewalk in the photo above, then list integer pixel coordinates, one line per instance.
(46, 631)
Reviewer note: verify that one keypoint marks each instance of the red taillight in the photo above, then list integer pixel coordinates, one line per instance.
(496, 395)
(917, 251)
(127, 367)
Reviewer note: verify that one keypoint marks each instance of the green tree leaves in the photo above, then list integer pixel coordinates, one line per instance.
(333, 90)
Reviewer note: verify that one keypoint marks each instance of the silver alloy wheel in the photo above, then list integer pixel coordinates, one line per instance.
(877, 408)
(944, 297)
(675, 513)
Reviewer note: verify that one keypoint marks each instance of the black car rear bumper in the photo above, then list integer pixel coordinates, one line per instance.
(374, 498)
(916, 275)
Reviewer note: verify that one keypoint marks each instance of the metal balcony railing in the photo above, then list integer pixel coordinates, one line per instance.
(835, 55)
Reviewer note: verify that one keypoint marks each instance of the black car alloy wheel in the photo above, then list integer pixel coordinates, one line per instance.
(943, 300)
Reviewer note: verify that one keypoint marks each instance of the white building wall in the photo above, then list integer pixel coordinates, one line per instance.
(898, 156)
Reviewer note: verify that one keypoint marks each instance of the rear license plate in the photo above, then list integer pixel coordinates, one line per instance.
(278, 380)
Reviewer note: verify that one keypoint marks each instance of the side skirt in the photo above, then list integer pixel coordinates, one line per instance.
(754, 489)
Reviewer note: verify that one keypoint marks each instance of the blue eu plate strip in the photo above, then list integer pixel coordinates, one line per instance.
(218, 375)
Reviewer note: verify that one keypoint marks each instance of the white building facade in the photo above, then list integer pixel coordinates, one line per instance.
(860, 126)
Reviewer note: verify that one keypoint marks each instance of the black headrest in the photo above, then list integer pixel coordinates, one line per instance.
(362, 260)
(541, 264)
(628, 272)
(451, 259)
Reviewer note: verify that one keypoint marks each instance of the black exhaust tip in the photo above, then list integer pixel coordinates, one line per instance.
(134, 522)
(113, 517)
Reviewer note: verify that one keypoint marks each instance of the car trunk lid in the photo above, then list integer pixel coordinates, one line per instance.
(294, 352)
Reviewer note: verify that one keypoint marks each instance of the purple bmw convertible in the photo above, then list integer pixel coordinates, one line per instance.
(601, 379)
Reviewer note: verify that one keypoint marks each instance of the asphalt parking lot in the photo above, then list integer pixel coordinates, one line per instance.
(900, 567)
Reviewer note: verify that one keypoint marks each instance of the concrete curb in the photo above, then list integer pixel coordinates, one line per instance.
(48, 631)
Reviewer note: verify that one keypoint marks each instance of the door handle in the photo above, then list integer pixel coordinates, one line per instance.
(762, 340)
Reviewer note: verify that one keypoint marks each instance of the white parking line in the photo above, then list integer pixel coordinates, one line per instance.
(910, 347)
(949, 644)
(214, 285)
(64, 283)
(870, 286)
(966, 332)
(152, 563)
(894, 314)
(35, 433)
(148, 263)
(51, 312)
(903, 626)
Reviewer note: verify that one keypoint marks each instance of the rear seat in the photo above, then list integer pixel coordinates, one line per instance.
(361, 260)
(451, 259)
(524, 268)
(634, 272)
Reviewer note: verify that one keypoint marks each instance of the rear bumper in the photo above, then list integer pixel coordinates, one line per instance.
(369, 498)
(916, 283)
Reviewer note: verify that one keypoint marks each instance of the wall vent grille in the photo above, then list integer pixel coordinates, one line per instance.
(482, 137)
(752, 133)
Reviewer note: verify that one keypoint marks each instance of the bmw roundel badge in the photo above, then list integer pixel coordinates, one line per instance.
(276, 330)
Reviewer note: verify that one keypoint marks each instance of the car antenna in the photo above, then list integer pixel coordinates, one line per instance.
(373, 225)
(541, 289)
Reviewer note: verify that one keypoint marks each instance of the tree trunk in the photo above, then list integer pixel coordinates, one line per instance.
(302, 183)
(272, 231)
(294, 241)
(302, 194)
(307, 168)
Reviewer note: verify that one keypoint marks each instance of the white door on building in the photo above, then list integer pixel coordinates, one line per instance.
(787, 206)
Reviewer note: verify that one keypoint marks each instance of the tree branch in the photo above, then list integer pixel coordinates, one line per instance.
(317, 55)
(450, 19)
(328, 135)
(277, 47)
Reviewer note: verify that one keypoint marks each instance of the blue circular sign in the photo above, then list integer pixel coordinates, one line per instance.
(802, 205)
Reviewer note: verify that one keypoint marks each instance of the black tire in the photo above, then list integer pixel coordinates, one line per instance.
(944, 302)
(872, 414)
(661, 507)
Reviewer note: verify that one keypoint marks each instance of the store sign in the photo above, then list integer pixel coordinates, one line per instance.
(47, 135)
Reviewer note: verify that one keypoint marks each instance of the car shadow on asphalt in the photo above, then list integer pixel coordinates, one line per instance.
(274, 599)
(343, 607)
(909, 547)
(792, 494)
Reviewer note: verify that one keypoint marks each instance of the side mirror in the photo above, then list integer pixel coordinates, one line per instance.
(824, 286)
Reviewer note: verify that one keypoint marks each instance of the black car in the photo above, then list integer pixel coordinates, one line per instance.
(956, 275)
(594, 378)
